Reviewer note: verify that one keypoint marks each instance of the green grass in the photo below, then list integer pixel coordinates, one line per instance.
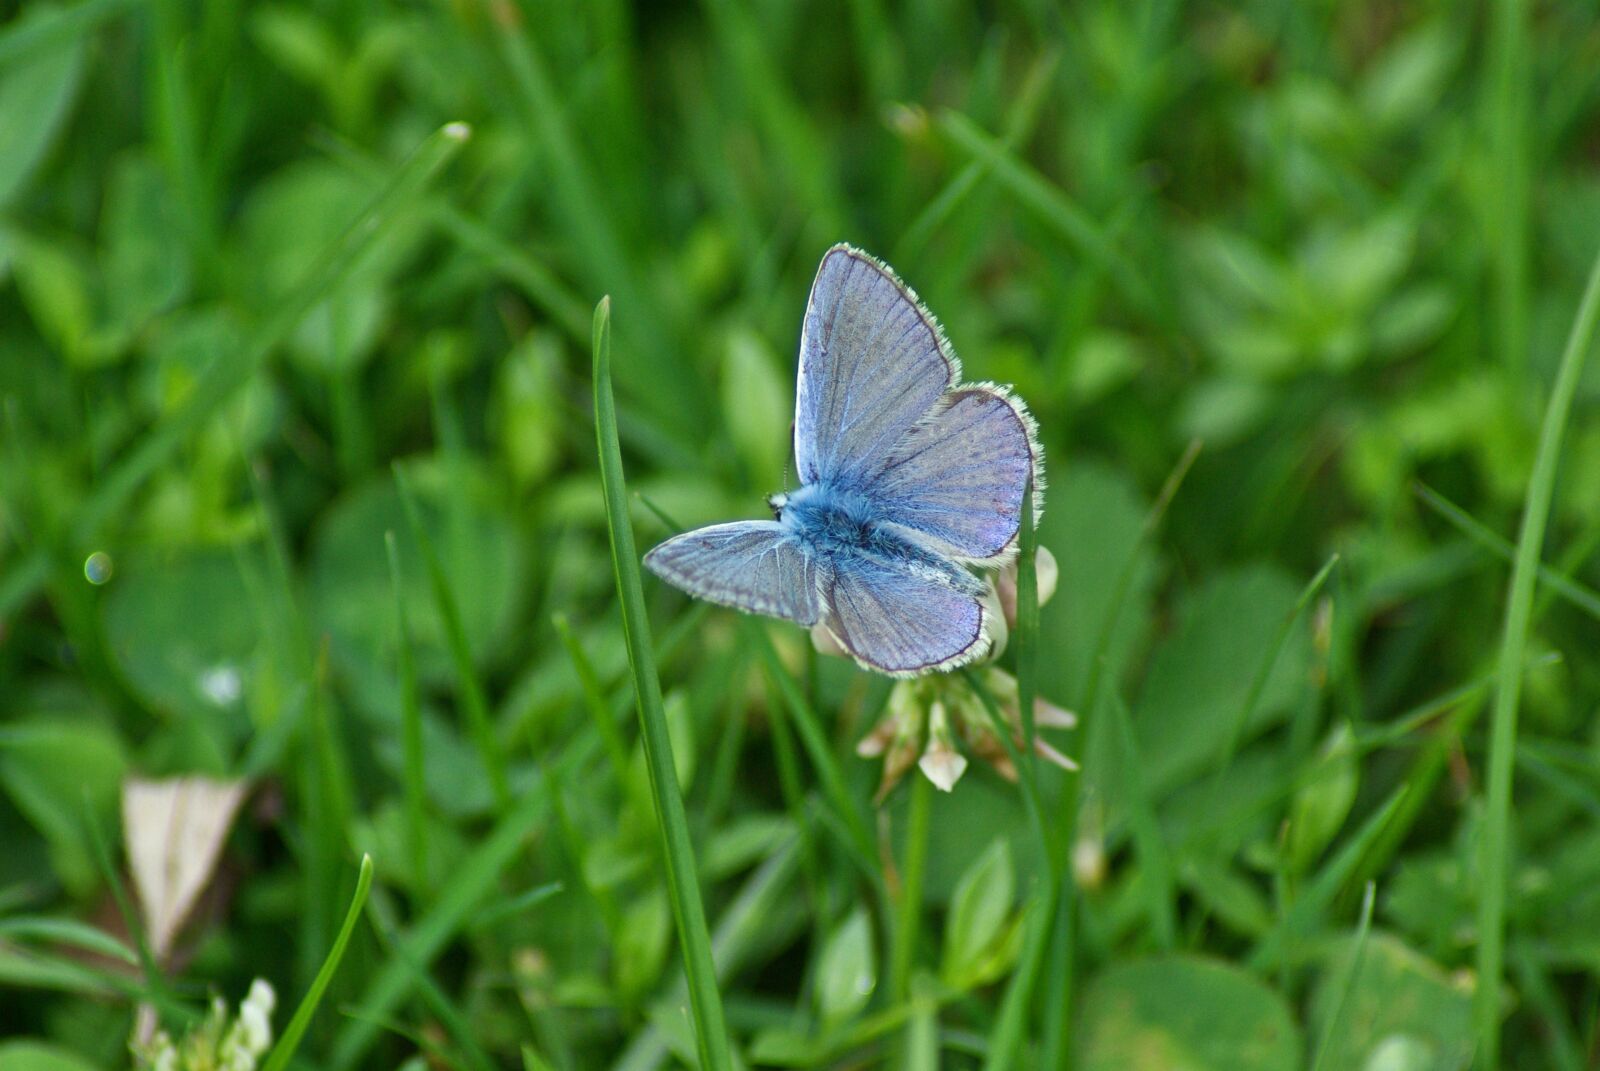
(296, 341)
(688, 907)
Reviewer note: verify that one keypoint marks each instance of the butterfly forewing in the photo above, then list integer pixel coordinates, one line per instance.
(957, 478)
(872, 364)
(753, 566)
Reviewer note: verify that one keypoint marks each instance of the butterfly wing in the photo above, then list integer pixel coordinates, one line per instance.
(873, 363)
(904, 621)
(749, 565)
(956, 479)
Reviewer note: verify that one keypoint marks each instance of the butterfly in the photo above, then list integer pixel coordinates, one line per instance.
(911, 479)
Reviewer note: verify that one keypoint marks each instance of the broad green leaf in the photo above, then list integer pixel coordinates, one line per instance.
(1200, 678)
(288, 218)
(1321, 804)
(1091, 522)
(26, 1055)
(757, 404)
(1404, 1013)
(207, 674)
(848, 972)
(146, 265)
(480, 549)
(979, 907)
(1185, 1013)
(53, 280)
(60, 771)
(36, 95)
(643, 940)
(528, 406)
(1404, 83)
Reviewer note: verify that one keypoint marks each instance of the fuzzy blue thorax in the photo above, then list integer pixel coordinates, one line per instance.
(842, 524)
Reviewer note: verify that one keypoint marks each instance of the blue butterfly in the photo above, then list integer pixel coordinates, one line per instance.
(910, 477)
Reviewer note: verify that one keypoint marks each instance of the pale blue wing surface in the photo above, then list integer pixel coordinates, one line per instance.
(906, 622)
(873, 362)
(956, 479)
(749, 565)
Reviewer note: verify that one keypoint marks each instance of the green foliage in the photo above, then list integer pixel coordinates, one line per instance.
(1185, 1012)
(299, 484)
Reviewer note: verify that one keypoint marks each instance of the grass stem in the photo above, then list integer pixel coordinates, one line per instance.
(1496, 863)
(705, 1000)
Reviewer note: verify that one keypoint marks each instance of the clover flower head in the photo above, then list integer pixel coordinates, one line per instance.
(931, 720)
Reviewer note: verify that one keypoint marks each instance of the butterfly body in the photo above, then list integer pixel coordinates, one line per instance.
(910, 478)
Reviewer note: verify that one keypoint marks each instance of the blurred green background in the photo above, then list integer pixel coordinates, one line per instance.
(244, 281)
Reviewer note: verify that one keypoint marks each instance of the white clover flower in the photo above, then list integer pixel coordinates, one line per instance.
(926, 715)
(251, 1035)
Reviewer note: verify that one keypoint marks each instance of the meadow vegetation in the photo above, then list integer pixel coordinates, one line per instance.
(300, 319)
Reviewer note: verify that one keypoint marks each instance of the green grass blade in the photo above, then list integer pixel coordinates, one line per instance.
(1055, 1051)
(1020, 121)
(1508, 155)
(438, 1001)
(1258, 683)
(847, 808)
(1056, 208)
(445, 916)
(594, 700)
(70, 932)
(1584, 598)
(682, 883)
(416, 787)
(28, 37)
(1496, 864)
(1351, 977)
(283, 1051)
(913, 871)
(1324, 888)
(1007, 1038)
(474, 704)
(1025, 641)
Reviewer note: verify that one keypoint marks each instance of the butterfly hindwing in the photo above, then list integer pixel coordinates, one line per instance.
(873, 362)
(753, 566)
(905, 622)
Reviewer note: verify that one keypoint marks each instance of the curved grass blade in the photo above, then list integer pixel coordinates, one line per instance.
(1258, 683)
(445, 917)
(1051, 203)
(281, 1053)
(594, 699)
(705, 1000)
(1352, 975)
(1022, 117)
(69, 932)
(1584, 598)
(1508, 688)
